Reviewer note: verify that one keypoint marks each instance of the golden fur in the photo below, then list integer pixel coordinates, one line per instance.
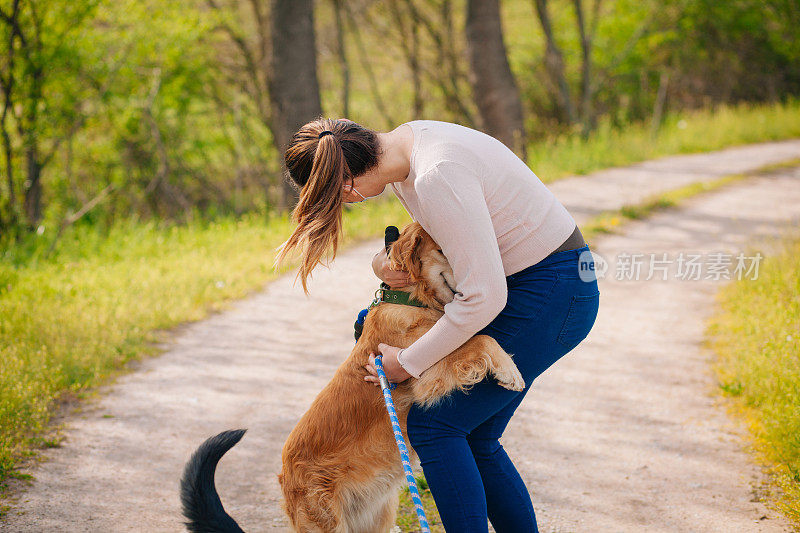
(341, 470)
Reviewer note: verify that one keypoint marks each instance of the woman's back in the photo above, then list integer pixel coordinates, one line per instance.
(528, 221)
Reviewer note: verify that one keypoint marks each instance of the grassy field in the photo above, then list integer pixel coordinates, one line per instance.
(71, 320)
(756, 335)
(700, 131)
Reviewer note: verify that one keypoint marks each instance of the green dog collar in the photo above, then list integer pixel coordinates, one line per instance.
(387, 295)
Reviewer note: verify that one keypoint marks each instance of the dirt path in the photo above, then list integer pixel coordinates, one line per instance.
(621, 435)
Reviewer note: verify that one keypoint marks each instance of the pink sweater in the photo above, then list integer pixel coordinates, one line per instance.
(490, 214)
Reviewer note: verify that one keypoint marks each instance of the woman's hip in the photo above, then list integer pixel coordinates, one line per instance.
(551, 308)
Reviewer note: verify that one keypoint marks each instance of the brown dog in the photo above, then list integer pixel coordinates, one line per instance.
(341, 470)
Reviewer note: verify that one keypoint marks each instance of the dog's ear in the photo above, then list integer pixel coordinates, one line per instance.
(405, 252)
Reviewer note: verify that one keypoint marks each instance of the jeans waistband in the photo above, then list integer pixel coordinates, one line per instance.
(564, 256)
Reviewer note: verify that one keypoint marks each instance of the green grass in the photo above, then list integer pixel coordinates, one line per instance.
(699, 131)
(69, 322)
(407, 514)
(756, 336)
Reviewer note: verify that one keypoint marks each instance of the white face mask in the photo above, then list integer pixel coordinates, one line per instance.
(362, 196)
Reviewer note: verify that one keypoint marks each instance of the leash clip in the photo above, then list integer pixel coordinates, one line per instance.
(384, 381)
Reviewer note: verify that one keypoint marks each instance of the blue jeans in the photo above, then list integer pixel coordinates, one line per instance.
(551, 308)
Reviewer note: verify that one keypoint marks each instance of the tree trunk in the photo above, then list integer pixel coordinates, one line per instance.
(658, 107)
(33, 191)
(366, 64)
(33, 161)
(408, 38)
(586, 70)
(341, 50)
(493, 85)
(554, 62)
(12, 197)
(447, 71)
(7, 85)
(416, 72)
(294, 94)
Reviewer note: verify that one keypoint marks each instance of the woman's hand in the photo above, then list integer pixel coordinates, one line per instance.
(394, 372)
(396, 279)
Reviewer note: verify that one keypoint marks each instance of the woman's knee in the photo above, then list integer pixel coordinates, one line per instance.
(483, 447)
(424, 429)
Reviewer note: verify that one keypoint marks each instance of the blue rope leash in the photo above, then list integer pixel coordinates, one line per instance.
(401, 443)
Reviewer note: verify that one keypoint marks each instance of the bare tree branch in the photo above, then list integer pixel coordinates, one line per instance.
(251, 61)
(367, 66)
(446, 78)
(623, 54)
(554, 61)
(587, 118)
(410, 49)
(74, 217)
(342, 53)
(161, 179)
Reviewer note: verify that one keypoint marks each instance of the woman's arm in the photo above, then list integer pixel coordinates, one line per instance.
(455, 214)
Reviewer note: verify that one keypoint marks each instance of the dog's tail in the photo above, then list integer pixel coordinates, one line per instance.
(201, 504)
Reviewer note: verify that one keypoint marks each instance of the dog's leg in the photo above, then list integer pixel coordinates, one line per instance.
(370, 507)
(388, 516)
(501, 365)
(465, 367)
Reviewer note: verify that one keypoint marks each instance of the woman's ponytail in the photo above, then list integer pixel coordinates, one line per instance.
(322, 157)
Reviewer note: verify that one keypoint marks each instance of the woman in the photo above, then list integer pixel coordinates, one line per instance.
(516, 255)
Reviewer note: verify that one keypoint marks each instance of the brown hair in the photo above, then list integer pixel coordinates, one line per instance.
(321, 158)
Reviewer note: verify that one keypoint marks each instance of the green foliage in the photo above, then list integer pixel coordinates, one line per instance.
(712, 53)
(155, 98)
(756, 335)
(43, 90)
(734, 51)
(130, 93)
(170, 135)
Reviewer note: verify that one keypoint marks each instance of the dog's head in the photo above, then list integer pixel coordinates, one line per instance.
(431, 275)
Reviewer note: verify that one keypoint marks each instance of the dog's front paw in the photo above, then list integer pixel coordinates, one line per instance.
(510, 378)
